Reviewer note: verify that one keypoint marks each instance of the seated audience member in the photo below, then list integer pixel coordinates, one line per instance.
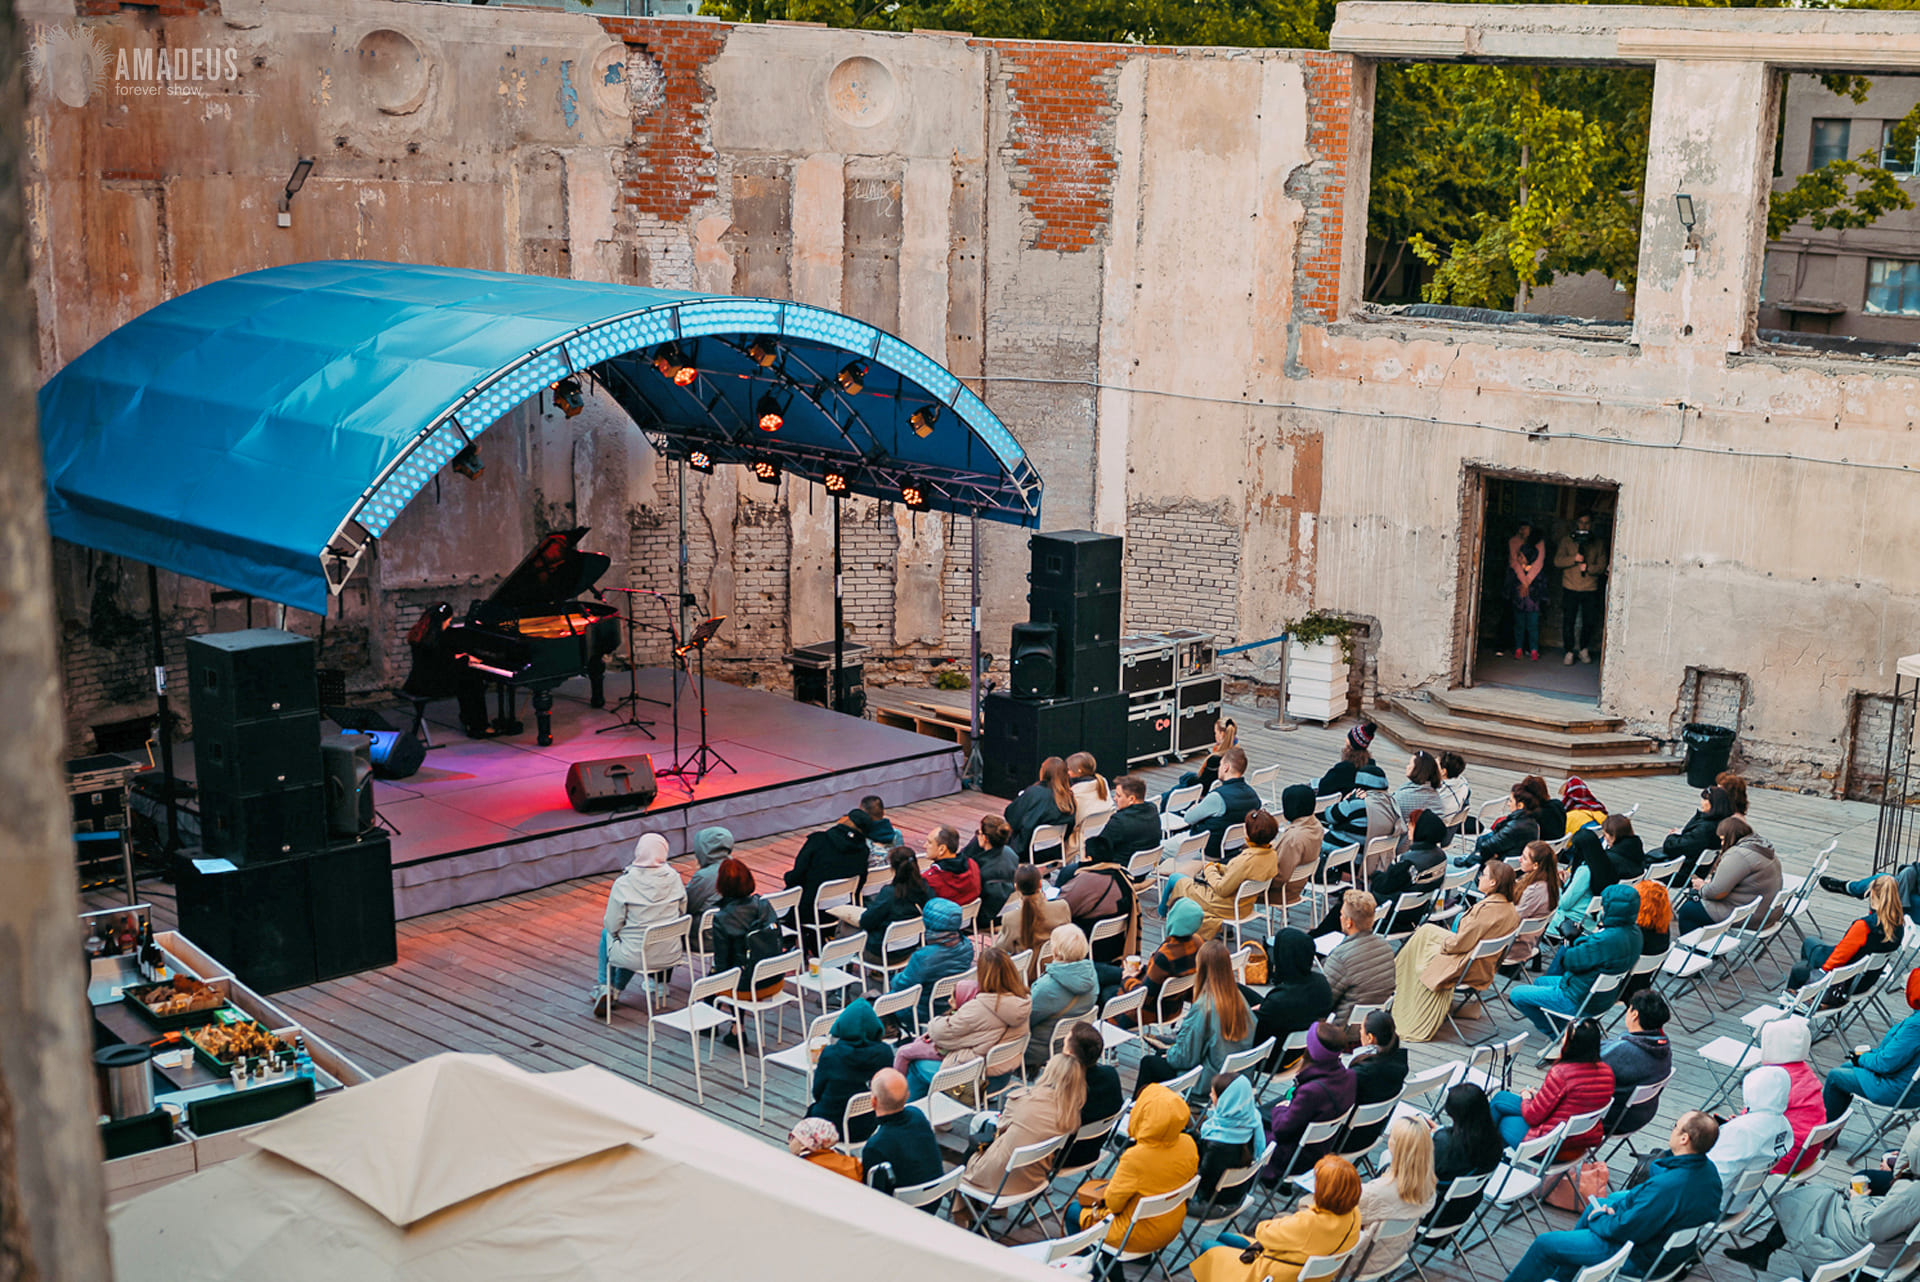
(1326, 1223)
(1379, 1071)
(1819, 1224)
(832, 854)
(1681, 1191)
(710, 846)
(1788, 1044)
(848, 1063)
(1049, 1107)
(943, 951)
(1420, 867)
(1297, 851)
(1580, 805)
(996, 862)
(1512, 831)
(1747, 870)
(1098, 889)
(1539, 896)
(1323, 1090)
(1225, 735)
(1874, 935)
(1589, 873)
(1432, 963)
(996, 1013)
(1625, 851)
(1420, 794)
(903, 1150)
(1230, 802)
(882, 832)
(1906, 878)
(950, 875)
(1611, 950)
(1217, 1024)
(1029, 917)
(1134, 825)
(1161, 1158)
(1553, 813)
(745, 932)
(1368, 813)
(1230, 1138)
(1467, 1144)
(1359, 970)
(1758, 1137)
(1297, 997)
(1406, 1193)
(648, 893)
(1066, 990)
(1656, 924)
(1735, 786)
(1216, 887)
(1091, 798)
(1455, 787)
(1885, 1073)
(1178, 952)
(903, 899)
(1701, 833)
(1104, 1099)
(1047, 801)
(813, 1139)
(1578, 1083)
(1641, 1056)
(1338, 781)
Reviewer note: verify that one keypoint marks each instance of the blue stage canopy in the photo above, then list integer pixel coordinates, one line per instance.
(255, 433)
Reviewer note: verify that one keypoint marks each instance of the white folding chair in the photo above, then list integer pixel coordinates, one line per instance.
(1331, 878)
(1107, 928)
(1092, 825)
(1239, 1177)
(1248, 1059)
(1232, 840)
(899, 940)
(859, 1104)
(1094, 1135)
(1248, 907)
(1886, 1116)
(699, 1016)
(987, 1202)
(1174, 802)
(894, 1005)
(1322, 800)
(1316, 1136)
(1692, 956)
(783, 968)
(1467, 1190)
(933, 1191)
(1380, 853)
(1131, 1003)
(824, 976)
(1664, 871)
(1178, 986)
(700, 944)
(1645, 1093)
(1464, 992)
(1435, 1081)
(805, 1053)
(1321, 1267)
(1677, 1255)
(786, 905)
(1837, 1271)
(940, 999)
(1054, 1249)
(1607, 1269)
(1048, 846)
(1008, 1060)
(1262, 780)
(1518, 1178)
(941, 1108)
(650, 937)
(1147, 1208)
(837, 893)
(1364, 1269)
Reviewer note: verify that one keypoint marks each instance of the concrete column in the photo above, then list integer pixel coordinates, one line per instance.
(819, 196)
(1117, 320)
(1708, 140)
(917, 599)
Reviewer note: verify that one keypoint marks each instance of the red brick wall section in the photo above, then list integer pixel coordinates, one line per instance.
(673, 166)
(1060, 140)
(1330, 116)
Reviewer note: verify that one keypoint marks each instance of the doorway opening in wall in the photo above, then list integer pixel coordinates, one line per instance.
(1535, 578)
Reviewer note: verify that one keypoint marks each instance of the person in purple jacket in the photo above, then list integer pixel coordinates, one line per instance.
(1324, 1090)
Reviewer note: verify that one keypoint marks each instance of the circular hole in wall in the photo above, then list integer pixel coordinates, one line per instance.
(861, 91)
(393, 71)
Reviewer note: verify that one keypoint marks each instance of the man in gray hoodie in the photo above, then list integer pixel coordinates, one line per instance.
(710, 847)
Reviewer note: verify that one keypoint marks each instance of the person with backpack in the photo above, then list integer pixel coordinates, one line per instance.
(745, 933)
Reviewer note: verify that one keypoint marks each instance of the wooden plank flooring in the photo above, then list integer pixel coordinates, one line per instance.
(514, 977)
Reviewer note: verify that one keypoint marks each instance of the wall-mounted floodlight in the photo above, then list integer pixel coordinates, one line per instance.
(1683, 205)
(301, 168)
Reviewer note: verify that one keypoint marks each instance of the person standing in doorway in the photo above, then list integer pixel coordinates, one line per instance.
(1581, 559)
(1526, 558)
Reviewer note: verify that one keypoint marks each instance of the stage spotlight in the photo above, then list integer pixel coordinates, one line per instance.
(701, 462)
(836, 483)
(567, 397)
(767, 414)
(467, 463)
(852, 378)
(923, 420)
(764, 351)
(766, 470)
(914, 497)
(672, 368)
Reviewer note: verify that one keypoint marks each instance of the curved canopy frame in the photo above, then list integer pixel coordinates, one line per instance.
(258, 432)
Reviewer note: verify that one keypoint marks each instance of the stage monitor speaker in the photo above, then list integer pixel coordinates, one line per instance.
(255, 918)
(1021, 733)
(1090, 671)
(1033, 666)
(264, 826)
(350, 891)
(261, 672)
(396, 753)
(1084, 618)
(257, 754)
(1076, 561)
(348, 761)
(612, 783)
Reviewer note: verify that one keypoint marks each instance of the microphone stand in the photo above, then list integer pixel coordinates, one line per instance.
(677, 770)
(634, 698)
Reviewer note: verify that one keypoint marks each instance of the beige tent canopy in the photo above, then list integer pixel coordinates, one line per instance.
(464, 1168)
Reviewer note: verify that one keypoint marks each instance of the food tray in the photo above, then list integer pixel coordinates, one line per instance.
(282, 1039)
(215, 1001)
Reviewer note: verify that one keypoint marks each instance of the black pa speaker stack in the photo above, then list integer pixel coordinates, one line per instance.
(256, 744)
(1064, 665)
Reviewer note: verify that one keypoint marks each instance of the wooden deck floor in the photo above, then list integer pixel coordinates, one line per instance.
(514, 977)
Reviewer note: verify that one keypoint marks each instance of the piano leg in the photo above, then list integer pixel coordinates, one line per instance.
(506, 722)
(472, 694)
(597, 682)
(543, 716)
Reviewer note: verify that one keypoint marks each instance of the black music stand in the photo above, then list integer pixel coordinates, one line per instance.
(634, 698)
(704, 757)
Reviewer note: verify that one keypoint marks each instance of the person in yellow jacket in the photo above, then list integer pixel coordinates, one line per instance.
(1163, 1157)
(1326, 1224)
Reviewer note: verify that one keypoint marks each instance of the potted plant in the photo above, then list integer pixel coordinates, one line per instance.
(1319, 653)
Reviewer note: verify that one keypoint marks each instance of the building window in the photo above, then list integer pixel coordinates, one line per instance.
(1893, 287)
(1897, 160)
(1829, 141)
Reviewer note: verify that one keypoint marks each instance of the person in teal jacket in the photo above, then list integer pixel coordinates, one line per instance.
(1885, 1073)
(944, 952)
(1613, 949)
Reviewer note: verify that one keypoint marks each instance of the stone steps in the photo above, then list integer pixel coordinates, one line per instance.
(1521, 732)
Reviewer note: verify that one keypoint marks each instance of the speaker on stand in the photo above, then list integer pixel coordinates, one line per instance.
(347, 762)
(1034, 671)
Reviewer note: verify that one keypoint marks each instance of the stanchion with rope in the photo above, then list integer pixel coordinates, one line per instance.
(1264, 665)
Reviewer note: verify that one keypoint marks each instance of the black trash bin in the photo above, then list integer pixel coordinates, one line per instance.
(1708, 748)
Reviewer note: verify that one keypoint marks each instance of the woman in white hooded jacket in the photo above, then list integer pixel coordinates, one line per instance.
(646, 894)
(1757, 1138)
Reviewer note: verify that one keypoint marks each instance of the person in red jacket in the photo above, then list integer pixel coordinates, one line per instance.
(951, 874)
(1580, 1083)
(1876, 934)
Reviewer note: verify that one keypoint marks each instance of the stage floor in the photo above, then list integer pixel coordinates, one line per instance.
(484, 818)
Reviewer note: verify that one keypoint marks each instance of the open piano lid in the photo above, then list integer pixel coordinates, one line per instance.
(555, 571)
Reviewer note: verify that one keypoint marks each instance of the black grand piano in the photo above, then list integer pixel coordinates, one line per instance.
(531, 634)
